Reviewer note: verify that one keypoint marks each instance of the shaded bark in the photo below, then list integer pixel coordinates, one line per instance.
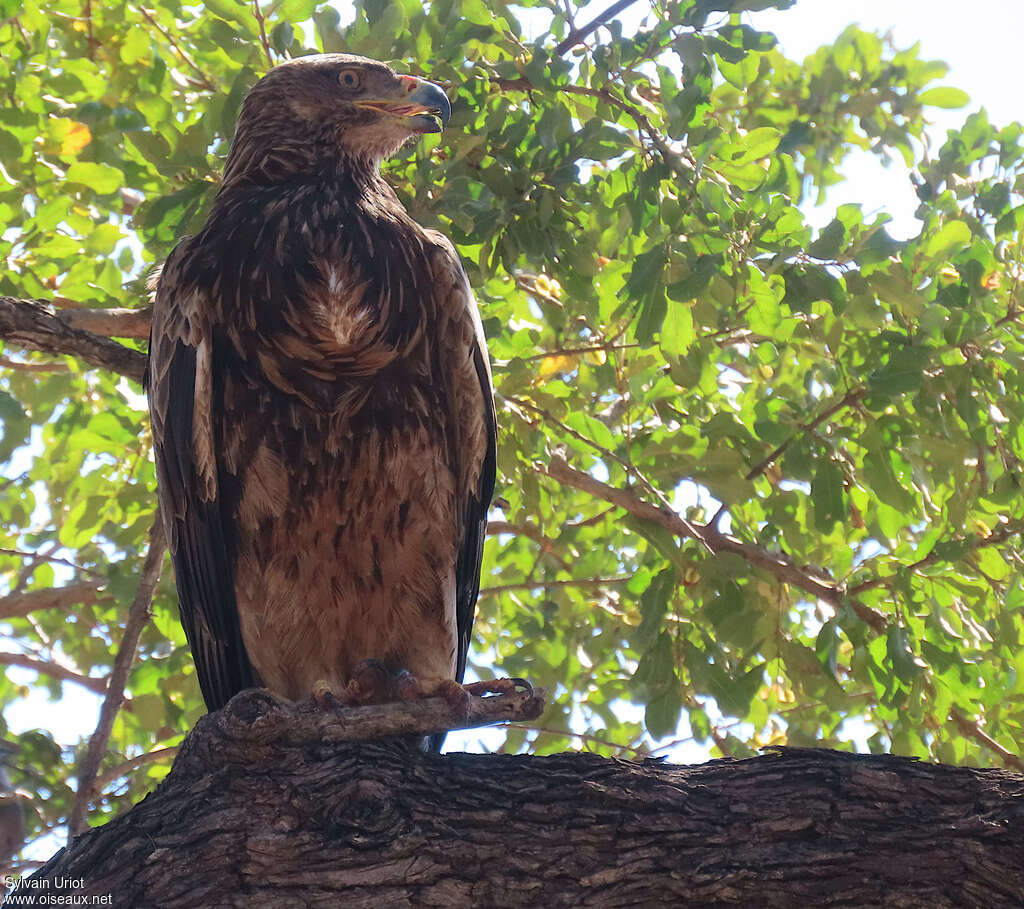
(265, 809)
(36, 326)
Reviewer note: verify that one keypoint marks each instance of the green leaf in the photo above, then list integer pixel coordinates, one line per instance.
(101, 178)
(945, 96)
(952, 237)
(827, 495)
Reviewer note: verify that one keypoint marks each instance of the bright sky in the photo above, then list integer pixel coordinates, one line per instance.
(981, 43)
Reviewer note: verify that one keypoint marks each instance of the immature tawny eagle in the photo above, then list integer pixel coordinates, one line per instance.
(321, 400)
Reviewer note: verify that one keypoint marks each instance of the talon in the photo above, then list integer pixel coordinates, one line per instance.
(324, 698)
(370, 681)
(407, 686)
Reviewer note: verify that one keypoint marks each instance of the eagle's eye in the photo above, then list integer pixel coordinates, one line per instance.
(350, 78)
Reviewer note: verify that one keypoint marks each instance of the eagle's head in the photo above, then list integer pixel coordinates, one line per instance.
(330, 110)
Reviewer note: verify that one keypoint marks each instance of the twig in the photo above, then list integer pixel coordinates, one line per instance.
(577, 35)
(16, 605)
(530, 531)
(554, 585)
(258, 16)
(54, 670)
(36, 326)
(574, 351)
(37, 557)
(204, 81)
(675, 161)
(18, 366)
(125, 767)
(973, 731)
(851, 397)
(138, 615)
(582, 736)
(993, 539)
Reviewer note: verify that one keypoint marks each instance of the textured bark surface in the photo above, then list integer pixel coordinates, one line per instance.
(254, 816)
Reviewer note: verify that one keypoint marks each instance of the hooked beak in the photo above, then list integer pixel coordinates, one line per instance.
(424, 105)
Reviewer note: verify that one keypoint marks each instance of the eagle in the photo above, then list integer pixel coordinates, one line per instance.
(321, 404)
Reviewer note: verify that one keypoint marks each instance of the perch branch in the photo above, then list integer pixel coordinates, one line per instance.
(36, 326)
(256, 719)
(138, 616)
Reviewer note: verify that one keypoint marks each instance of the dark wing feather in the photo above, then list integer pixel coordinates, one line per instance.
(201, 542)
(471, 553)
(475, 502)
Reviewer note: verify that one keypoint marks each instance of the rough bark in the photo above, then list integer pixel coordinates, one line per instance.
(34, 325)
(266, 809)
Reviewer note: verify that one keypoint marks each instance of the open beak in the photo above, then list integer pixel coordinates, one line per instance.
(424, 104)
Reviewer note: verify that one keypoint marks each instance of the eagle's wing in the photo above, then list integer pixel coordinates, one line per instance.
(181, 378)
(476, 447)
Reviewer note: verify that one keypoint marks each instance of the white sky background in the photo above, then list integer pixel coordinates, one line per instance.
(981, 43)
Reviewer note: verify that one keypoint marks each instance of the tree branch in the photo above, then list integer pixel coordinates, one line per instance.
(16, 605)
(54, 670)
(577, 35)
(138, 615)
(125, 767)
(779, 566)
(973, 731)
(264, 821)
(36, 326)
(118, 322)
(554, 585)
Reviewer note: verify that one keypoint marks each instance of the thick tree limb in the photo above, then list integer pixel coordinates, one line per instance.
(253, 816)
(36, 326)
(111, 323)
(138, 615)
(16, 605)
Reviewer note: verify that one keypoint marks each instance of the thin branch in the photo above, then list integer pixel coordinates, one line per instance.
(17, 605)
(607, 454)
(36, 326)
(577, 35)
(530, 531)
(674, 160)
(204, 80)
(1001, 535)
(973, 731)
(138, 615)
(125, 767)
(778, 565)
(53, 669)
(258, 15)
(19, 366)
(582, 736)
(37, 557)
(851, 397)
(554, 585)
(575, 351)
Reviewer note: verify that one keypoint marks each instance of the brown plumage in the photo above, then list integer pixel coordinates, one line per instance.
(321, 400)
